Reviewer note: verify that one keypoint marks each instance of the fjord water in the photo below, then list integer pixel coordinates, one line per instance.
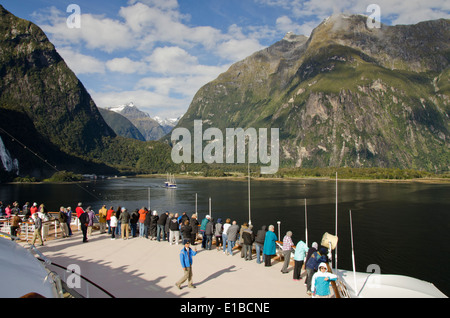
(401, 227)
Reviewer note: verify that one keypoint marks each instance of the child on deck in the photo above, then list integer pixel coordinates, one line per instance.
(113, 224)
(320, 285)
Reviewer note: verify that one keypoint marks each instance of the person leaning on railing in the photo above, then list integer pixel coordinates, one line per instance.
(62, 219)
(15, 225)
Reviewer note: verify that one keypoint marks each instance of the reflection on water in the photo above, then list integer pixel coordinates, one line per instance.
(402, 227)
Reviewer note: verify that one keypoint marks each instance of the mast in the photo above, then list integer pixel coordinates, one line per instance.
(196, 203)
(306, 225)
(249, 209)
(149, 198)
(353, 252)
(279, 237)
(210, 206)
(336, 226)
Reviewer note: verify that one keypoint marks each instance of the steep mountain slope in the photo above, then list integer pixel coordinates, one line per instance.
(121, 125)
(149, 127)
(35, 80)
(346, 96)
(45, 110)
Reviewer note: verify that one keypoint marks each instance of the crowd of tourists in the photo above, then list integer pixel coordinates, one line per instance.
(176, 228)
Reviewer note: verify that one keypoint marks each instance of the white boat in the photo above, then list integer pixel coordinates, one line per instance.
(352, 284)
(373, 285)
(170, 182)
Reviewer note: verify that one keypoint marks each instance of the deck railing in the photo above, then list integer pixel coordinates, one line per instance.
(50, 228)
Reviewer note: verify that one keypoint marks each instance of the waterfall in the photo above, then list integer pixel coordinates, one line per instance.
(10, 164)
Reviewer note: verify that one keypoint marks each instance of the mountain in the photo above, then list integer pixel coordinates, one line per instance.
(167, 124)
(35, 80)
(48, 119)
(121, 125)
(347, 96)
(150, 128)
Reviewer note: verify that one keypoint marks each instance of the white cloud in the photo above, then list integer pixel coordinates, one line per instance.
(95, 32)
(392, 11)
(413, 11)
(236, 45)
(285, 24)
(80, 63)
(126, 65)
(171, 60)
(238, 49)
(156, 24)
(162, 4)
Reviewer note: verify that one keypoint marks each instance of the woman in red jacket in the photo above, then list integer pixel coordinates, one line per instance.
(108, 218)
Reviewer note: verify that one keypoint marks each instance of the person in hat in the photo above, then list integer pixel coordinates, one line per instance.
(312, 265)
(320, 285)
(37, 229)
(203, 230)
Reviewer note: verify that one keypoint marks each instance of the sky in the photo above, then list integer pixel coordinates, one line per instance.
(159, 53)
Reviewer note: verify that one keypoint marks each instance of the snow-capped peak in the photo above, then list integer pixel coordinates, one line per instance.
(120, 108)
(167, 121)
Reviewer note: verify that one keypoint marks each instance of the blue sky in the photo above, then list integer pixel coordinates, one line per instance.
(159, 53)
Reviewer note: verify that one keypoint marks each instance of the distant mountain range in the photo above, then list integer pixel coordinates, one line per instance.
(149, 128)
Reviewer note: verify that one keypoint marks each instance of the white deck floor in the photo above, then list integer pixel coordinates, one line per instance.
(140, 267)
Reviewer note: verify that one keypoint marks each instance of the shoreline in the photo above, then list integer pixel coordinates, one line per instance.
(293, 179)
(426, 180)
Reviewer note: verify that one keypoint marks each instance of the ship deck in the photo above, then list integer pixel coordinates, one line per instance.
(142, 268)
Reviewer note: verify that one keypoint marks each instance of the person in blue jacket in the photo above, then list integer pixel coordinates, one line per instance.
(312, 266)
(186, 263)
(320, 285)
(270, 247)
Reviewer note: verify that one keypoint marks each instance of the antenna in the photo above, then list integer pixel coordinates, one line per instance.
(353, 253)
(336, 229)
(249, 210)
(149, 198)
(306, 225)
(279, 238)
(210, 206)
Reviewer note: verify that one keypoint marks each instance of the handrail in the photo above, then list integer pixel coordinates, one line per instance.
(56, 278)
(81, 276)
(27, 226)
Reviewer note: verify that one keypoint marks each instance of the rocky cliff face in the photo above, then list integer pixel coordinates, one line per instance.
(35, 80)
(48, 119)
(148, 127)
(346, 96)
(121, 125)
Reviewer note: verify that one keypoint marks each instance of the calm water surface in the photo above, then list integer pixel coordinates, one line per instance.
(402, 227)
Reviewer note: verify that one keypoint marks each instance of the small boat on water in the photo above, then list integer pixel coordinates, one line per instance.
(170, 182)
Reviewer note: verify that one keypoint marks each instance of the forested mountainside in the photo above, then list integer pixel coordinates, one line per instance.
(46, 107)
(347, 96)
